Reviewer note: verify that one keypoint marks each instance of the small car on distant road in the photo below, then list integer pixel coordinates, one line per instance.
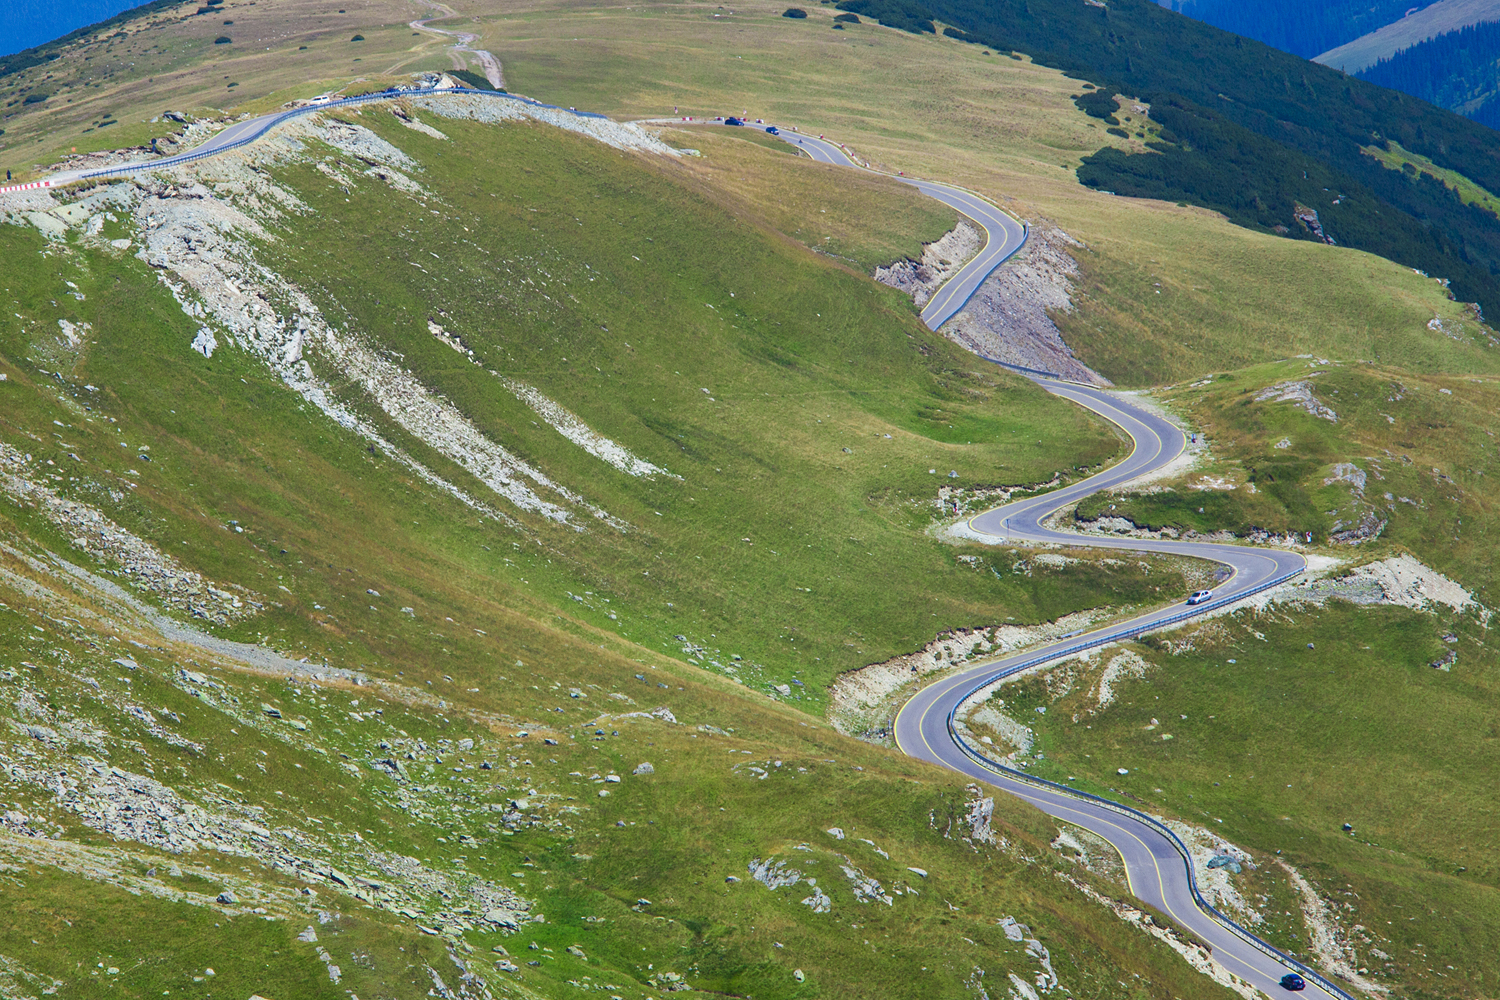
(732, 120)
(1292, 981)
(1199, 596)
(773, 130)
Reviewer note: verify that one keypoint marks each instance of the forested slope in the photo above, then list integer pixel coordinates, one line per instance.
(1458, 70)
(1293, 130)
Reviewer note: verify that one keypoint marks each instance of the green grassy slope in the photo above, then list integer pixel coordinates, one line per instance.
(1275, 745)
(469, 629)
(1425, 445)
(806, 370)
(1290, 721)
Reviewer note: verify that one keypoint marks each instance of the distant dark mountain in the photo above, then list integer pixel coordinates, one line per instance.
(1458, 70)
(28, 23)
(1298, 26)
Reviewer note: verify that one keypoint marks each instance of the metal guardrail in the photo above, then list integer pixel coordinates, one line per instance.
(1212, 912)
(382, 95)
(1023, 368)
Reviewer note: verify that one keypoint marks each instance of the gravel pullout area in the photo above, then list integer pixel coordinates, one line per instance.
(1009, 319)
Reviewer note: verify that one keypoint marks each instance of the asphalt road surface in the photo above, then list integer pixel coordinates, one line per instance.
(247, 131)
(1156, 868)
(1003, 234)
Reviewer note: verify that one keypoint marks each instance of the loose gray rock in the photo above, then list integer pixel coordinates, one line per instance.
(644, 768)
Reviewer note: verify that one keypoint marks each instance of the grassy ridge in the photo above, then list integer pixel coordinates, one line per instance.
(936, 107)
(494, 645)
(929, 106)
(1425, 445)
(800, 364)
(1281, 745)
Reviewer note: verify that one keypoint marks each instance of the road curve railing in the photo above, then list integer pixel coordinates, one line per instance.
(1145, 819)
(1104, 638)
(265, 125)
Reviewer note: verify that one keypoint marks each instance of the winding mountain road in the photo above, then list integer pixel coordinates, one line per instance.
(243, 133)
(1004, 234)
(1158, 866)
(462, 43)
(1156, 863)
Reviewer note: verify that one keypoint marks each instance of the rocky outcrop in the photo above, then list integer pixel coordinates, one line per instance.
(142, 563)
(1299, 394)
(940, 260)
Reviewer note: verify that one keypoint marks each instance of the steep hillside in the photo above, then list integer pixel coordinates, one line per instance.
(1299, 28)
(346, 549)
(1429, 22)
(402, 528)
(1454, 70)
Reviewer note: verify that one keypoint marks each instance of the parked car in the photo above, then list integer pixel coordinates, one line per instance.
(1292, 981)
(1199, 596)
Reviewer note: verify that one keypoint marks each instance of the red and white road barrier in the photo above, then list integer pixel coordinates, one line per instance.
(27, 187)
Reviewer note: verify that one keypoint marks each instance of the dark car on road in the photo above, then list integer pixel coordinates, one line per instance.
(773, 130)
(1292, 981)
(731, 120)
